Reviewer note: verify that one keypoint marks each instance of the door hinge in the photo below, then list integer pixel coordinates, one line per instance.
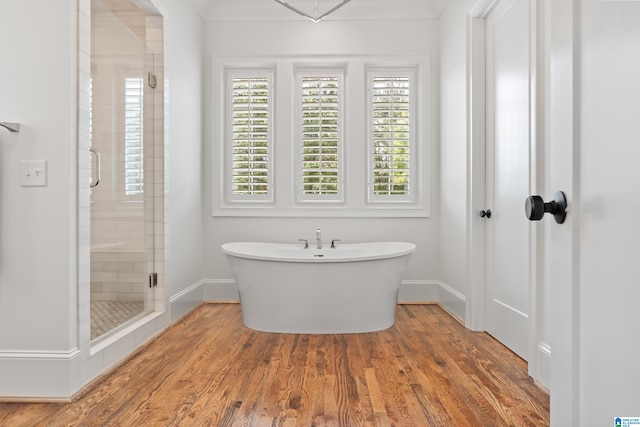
(153, 279)
(152, 80)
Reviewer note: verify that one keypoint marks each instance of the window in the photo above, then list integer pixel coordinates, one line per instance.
(319, 127)
(250, 134)
(133, 137)
(391, 136)
(331, 137)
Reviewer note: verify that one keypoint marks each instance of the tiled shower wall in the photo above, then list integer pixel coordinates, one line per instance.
(118, 276)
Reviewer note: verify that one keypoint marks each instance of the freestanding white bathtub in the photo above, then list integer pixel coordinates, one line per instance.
(285, 288)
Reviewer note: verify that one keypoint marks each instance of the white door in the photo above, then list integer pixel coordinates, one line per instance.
(595, 255)
(507, 174)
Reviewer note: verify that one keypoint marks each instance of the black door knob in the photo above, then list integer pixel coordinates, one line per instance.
(535, 207)
(485, 214)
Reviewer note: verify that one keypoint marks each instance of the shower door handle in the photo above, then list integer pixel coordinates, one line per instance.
(96, 153)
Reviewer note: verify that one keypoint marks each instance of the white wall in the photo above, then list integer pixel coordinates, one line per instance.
(184, 67)
(453, 209)
(327, 38)
(38, 299)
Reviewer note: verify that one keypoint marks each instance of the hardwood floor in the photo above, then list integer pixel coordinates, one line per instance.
(209, 370)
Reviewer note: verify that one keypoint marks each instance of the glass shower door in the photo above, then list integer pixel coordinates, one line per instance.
(122, 202)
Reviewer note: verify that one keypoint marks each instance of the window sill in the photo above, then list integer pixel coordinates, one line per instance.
(325, 212)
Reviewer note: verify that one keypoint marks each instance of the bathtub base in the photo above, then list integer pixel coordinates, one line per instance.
(316, 330)
(318, 298)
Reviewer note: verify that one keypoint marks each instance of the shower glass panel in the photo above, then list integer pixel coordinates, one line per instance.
(122, 213)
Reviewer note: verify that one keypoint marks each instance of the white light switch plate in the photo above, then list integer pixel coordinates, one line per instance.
(33, 173)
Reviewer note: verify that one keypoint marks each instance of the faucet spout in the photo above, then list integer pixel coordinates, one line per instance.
(318, 239)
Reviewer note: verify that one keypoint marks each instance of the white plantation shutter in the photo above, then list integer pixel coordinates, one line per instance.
(133, 137)
(391, 136)
(250, 135)
(320, 135)
(351, 137)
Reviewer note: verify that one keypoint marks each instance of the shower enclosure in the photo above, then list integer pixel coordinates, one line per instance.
(122, 170)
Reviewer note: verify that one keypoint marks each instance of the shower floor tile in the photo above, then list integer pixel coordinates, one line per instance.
(107, 315)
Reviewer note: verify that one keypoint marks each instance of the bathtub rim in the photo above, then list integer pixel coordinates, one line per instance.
(386, 249)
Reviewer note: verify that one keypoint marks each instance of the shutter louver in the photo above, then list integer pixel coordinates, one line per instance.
(391, 135)
(320, 135)
(250, 136)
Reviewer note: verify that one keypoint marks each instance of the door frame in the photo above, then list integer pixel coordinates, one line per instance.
(476, 175)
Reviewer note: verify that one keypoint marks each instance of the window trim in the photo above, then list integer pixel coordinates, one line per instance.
(355, 201)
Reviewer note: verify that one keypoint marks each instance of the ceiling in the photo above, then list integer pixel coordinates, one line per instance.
(269, 10)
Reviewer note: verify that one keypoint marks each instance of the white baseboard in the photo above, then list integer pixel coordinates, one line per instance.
(543, 366)
(40, 355)
(186, 300)
(39, 374)
(221, 290)
(411, 291)
(452, 300)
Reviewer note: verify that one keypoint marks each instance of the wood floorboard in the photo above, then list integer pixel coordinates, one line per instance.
(210, 370)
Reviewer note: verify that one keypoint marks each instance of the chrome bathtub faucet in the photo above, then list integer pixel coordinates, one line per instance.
(318, 239)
